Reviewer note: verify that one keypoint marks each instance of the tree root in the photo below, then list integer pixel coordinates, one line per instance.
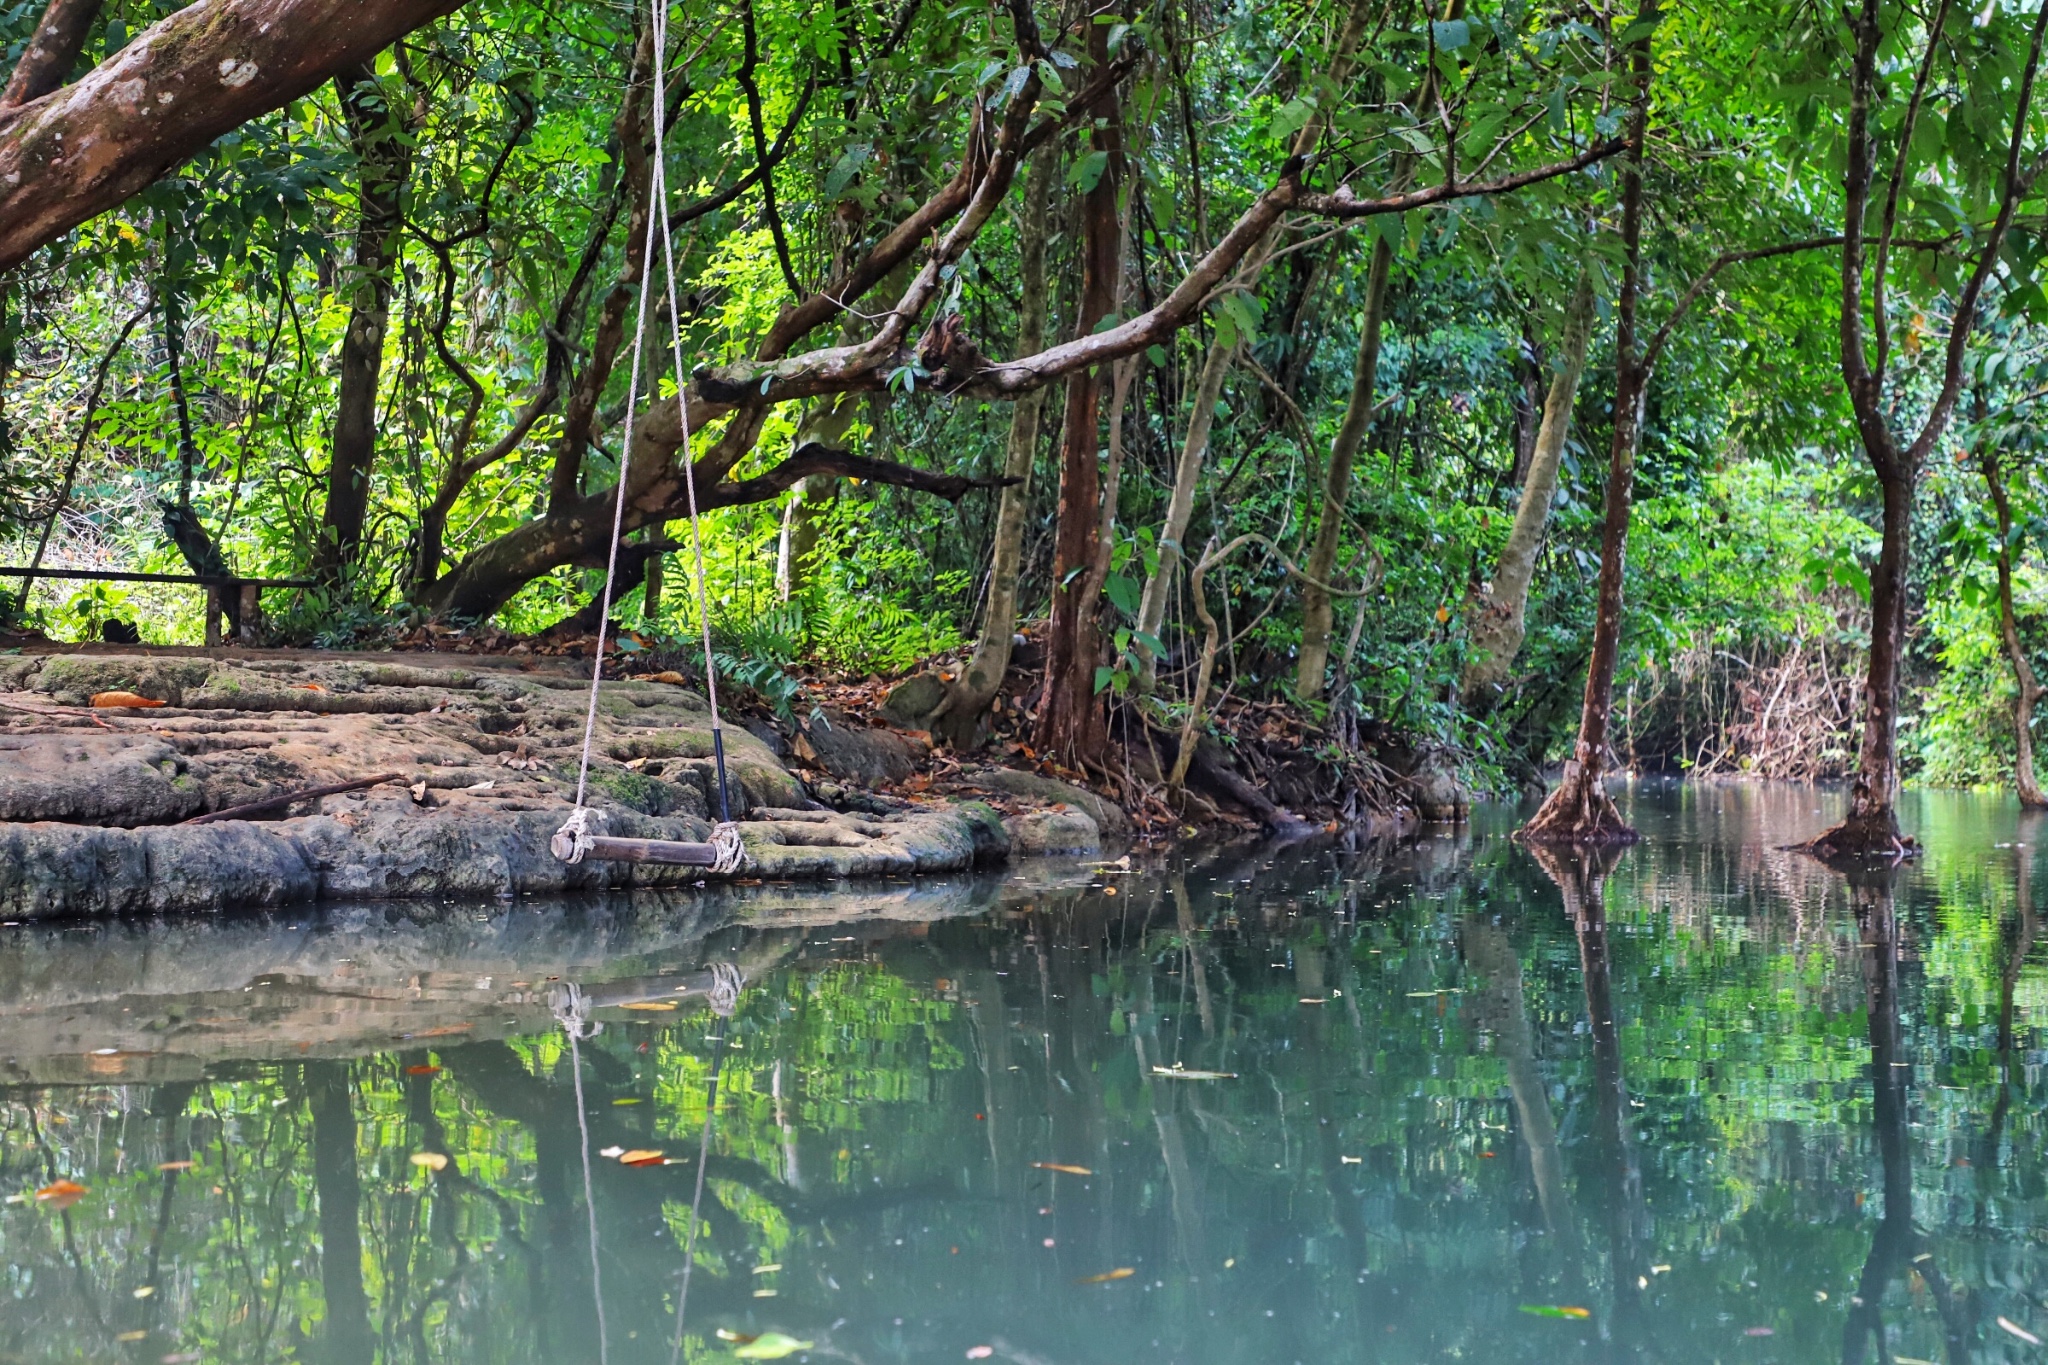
(1867, 833)
(1579, 813)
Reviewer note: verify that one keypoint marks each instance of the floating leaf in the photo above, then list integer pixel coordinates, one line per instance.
(1760, 1332)
(656, 1006)
(640, 1156)
(432, 1161)
(611, 1151)
(738, 1338)
(145, 1291)
(61, 1194)
(2022, 1333)
(1549, 1310)
(768, 1269)
(130, 1336)
(1178, 1073)
(441, 1030)
(625, 1103)
(1064, 1170)
(174, 1165)
(421, 1070)
(980, 1352)
(771, 1346)
(1122, 1272)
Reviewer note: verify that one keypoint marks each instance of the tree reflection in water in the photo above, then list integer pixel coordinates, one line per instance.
(1331, 1103)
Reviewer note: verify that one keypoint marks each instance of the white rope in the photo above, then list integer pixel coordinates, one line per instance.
(731, 850)
(675, 317)
(572, 1011)
(657, 215)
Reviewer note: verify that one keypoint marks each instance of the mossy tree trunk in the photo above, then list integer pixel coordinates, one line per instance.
(384, 152)
(1070, 718)
(1499, 611)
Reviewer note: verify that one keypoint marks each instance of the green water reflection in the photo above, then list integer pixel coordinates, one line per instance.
(1718, 1102)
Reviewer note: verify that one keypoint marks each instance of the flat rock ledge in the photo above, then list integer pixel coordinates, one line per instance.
(389, 849)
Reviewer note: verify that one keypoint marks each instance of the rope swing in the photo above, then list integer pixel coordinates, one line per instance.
(577, 839)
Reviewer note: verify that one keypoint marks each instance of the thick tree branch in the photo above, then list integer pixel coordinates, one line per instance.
(205, 70)
(51, 53)
(815, 459)
(841, 369)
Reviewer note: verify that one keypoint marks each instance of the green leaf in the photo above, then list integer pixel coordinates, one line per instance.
(1123, 591)
(1087, 173)
(1156, 354)
(1451, 34)
(843, 170)
(1103, 677)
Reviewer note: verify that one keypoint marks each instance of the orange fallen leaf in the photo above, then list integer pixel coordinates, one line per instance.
(175, 1165)
(104, 700)
(441, 1031)
(1122, 1272)
(640, 1156)
(737, 1338)
(1064, 1170)
(421, 1070)
(307, 687)
(61, 1194)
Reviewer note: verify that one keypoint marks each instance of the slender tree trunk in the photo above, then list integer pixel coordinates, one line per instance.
(1498, 612)
(960, 713)
(1872, 825)
(1069, 719)
(1180, 507)
(2029, 688)
(631, 130)
(1216, 365)
(385, 160)
(1317, 612)
(1580, 811)
(51, 52)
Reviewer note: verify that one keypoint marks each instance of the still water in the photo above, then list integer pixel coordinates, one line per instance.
(1435, 1101)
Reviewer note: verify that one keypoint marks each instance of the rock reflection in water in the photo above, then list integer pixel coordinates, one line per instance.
(1320, 1103)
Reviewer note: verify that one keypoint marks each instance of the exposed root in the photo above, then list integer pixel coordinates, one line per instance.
(1579, 813)
(1871, 831)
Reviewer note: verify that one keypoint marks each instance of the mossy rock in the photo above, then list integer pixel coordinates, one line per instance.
(73, 679)
(638, 791)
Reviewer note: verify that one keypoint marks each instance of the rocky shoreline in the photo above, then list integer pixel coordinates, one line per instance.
(483, 753)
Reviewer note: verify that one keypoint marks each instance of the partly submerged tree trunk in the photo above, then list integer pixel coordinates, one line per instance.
(1872, 825)
(208, 68)
(1317, 612)
(385, 159)
(969, 696)
(1580, 811)
(2030, 689)
(51, 52)
(1069, 718)
(1498, 612)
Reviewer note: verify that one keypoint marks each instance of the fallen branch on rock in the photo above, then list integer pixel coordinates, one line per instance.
(276, 802)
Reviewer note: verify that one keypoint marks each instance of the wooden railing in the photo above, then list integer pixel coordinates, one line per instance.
(246, 593)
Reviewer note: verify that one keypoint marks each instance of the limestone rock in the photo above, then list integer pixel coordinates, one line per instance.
(97, 779)
(1045, 832)
(866, 757)
(1108, 817)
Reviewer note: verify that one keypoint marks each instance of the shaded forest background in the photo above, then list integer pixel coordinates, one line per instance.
(382, 336)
